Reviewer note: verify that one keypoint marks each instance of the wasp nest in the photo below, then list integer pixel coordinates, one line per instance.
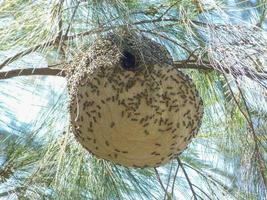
(129, 105)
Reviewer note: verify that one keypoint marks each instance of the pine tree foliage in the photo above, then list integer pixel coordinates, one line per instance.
(220, 44)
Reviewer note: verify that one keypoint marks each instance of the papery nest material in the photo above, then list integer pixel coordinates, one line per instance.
(129, 105)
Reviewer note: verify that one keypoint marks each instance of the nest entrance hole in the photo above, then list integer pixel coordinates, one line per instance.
(128, 61)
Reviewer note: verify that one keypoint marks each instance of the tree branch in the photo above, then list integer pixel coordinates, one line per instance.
(45, 71)
(161, 184)
(189, 64)
(64, 38)
(174, 179)
(187, 178)
(72, 17)
(192, 65)
(168, 9)
(207, 66)
(25, 52)
(202, 191)
(171, 40)
(247, 115)
(59, 17)
(208, 177)
(48, 71)
(167, 195)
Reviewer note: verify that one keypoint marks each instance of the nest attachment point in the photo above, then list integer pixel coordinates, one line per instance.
(129, 105)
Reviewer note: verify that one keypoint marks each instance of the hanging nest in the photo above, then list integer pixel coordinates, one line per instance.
(129, 105)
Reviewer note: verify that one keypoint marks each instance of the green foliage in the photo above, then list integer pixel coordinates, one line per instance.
(227, 160)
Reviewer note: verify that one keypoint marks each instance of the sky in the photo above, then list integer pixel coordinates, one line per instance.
(24, 104)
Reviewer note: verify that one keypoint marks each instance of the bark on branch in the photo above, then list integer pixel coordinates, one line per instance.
(206, 66)
(46, 71)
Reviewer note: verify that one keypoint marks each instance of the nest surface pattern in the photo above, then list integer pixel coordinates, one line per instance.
(137, 118)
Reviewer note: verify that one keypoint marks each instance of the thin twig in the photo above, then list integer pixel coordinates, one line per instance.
(262, 18)
(186, 64)
(248, 118)
(199, 197)
(207, 66)
(152, 21)
(169, 39)
(158, 177)
(174, 179)
(168, 182)
(72, 17)
(8, 193)
(187, 178)
(60, 23)
(207, 177)
(107, 28)
(168, 9)
(57, 40)
(202, 191)
(25, 52)
(219, 26)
